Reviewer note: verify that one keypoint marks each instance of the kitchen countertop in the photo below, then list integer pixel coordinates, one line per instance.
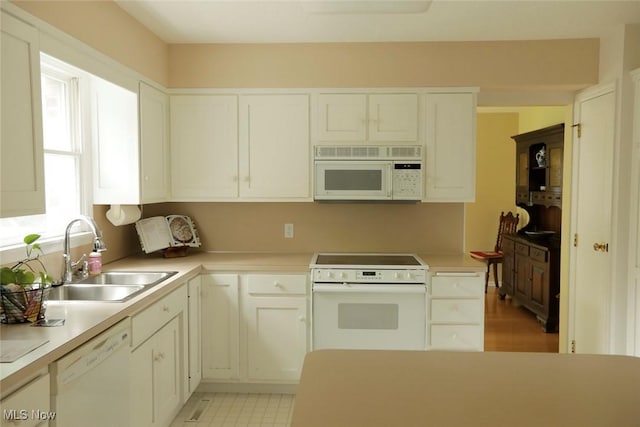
(410, 388)
(84, 320)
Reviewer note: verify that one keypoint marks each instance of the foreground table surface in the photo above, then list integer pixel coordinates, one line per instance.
(407, 388)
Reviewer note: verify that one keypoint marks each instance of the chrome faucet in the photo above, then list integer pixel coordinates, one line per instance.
(98, 246)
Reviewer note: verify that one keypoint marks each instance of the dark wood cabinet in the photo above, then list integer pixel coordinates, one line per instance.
(508, 267)
(531, 272)
(539, 165)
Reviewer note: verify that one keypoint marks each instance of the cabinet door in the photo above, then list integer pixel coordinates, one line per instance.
(195, 331)
(115, 144)
(155, 378)
(21, 152)
(274, 146)
(555, 154)
(276, 337)
(450, 122)
(166, 373)
(220, 327)
(523, 285)
(539, 286)
(154, 144)
(393, 117)
(522, 173)
(342, 117)
(204, 147)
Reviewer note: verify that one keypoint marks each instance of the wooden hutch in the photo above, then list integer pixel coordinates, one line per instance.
(531, 266)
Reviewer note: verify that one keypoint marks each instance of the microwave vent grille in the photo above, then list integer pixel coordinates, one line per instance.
(367, 152)
(408, 152)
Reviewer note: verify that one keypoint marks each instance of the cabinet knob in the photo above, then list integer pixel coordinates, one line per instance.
(302, 319)
(166, 308)
(277, 285)
(602, 247)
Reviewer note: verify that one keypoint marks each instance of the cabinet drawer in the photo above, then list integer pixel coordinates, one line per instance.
(456, 337)
(277, 284)
(457, 286)
(538, 254)
(146, 323)
(522, 249)
(457, 310)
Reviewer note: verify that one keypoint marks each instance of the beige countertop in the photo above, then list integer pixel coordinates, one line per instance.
(410, 388)
(84, 320)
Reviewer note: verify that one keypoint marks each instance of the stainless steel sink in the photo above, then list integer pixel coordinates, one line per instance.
(113, 286)
(71, 292)
(144, 278)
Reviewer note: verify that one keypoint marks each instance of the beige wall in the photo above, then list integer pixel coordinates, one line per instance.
(104, 26)
(513, 65)
(419, 227)
(495, 178)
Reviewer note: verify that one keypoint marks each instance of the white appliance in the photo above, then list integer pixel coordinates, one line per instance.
(369, 301)
(90, 385)
(368, 173)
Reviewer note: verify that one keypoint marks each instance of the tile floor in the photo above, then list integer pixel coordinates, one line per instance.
(236, 409)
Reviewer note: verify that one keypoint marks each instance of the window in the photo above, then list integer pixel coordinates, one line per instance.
(64, 158)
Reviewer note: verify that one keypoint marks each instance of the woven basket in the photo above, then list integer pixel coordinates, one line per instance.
(26, 305)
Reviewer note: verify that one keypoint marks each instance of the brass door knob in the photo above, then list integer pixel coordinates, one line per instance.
(602, 247)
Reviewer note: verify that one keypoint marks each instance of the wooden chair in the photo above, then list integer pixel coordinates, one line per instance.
(508, 225)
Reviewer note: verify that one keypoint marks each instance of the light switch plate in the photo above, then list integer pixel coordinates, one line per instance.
(288, 231)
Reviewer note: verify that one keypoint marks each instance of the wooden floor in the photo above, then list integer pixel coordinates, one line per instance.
(511, 328)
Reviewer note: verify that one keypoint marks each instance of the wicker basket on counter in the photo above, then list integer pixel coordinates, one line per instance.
(25, 305)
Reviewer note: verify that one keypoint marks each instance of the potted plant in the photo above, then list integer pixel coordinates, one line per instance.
(24, 286)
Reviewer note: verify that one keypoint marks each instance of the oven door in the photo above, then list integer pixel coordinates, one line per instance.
(377, 317)
(353, 180)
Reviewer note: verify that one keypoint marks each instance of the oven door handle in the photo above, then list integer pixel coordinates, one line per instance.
(360, 288)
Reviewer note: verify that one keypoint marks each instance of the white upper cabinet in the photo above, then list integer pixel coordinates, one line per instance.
(115, 144)
(154, 144)
(204, 147)
(21, 152)
(350, 117)
(274, 146)
(450, 138)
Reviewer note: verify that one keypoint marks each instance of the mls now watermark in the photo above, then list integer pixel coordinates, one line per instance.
(25, 414)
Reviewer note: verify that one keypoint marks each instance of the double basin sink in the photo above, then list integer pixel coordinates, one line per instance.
(114, 286)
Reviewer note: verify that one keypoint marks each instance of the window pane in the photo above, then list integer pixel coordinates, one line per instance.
(55, 114)
(61, 186)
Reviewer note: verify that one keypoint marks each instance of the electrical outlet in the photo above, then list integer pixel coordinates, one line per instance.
(288, 231)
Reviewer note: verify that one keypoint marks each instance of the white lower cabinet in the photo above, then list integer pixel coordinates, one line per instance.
(456, 311)
(158, 362)
(275, 315)
(29, 406)
(255, 327)
(220, 327)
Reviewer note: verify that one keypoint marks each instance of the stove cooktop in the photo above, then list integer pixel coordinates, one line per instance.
(374, 260)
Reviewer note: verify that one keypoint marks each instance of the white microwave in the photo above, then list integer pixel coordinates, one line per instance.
(368, 173)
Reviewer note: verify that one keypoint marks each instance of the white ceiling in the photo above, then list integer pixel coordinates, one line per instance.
(269, 21)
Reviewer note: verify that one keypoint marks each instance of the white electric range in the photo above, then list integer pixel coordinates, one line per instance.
(369, 301)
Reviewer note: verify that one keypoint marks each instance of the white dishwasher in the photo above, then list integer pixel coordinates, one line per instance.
(90, 385)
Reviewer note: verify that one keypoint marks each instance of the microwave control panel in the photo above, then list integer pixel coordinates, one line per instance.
(407, 180)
